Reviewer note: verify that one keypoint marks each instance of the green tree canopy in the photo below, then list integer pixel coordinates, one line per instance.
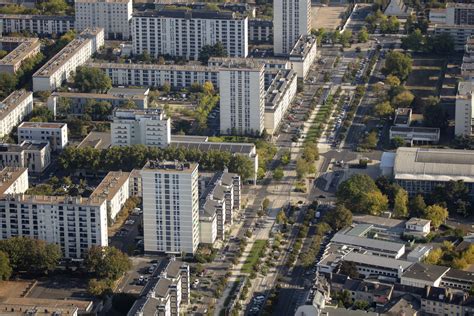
(7, 84)
(208, 51)
(417, 206)
(383, 109)
(351, 192)
(398, 64)
(435, 115)
(338, 218)
(403, 99)
(107, 262)
(414, 41)
(363, 35)
(400, 207)
(88, 79)
(437, 214)
(5, 268)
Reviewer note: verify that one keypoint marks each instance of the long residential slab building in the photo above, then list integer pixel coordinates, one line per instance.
(13, 109)
(19, 49)
(41, 25)
(64, 64)
(184, 32)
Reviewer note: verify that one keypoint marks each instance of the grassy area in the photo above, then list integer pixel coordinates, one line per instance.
(255, 253)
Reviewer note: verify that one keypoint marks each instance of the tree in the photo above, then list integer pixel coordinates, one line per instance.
(403, 99)
(398, 64)
(345, 37)
(99, 287)
(241, 165)
(107, 262)
(349, 268)
(400, 207)
(265, 204)
(286, 157)
(455, 194)
(390, 25)
(166, 88)
(414, 41)
(392, 81)
(303, 167)
(435, 116)
(370, 141)
(208, 88)
(339, 218)
(310, 152)
(5, 268)
(42, 114)
(88, 79)
(383, 109)
(278, 174)
(208, 51)
(52, 7)
(436, 214)
(363, 35)
(398, 141)
(362, 305)
(351, 191)
(441, 43)
(417, 206)
(434, 257)
(374, 203)
(7, 84)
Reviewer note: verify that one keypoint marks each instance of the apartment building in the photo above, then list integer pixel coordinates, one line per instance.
(149, 127)
(13, 180)
(113, 16)
(441, 301)
(74, 223)
(184, 32)
(36, 156)
(208, 223)
(242, 97)
(54, 133)
(278, 98)
(260, 31)
(420, 170)
(154, 75)
(13, 110)
(117, 97)
(61, 67)
(19, 49)
(464, 110)
(41, 25)
(170, 207)
(165, 292)
(115, 189)
(303, 55)
(291, 19)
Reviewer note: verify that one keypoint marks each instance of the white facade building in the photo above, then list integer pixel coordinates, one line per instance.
(464, 111)
(14, 109)
(170, 207)
(303, 54)
(43, 25)
(115, 189)
(184, 32)
(418, 225)
(278, 98)
(54, 133)
(74, 223)
(113, 16)
(13, 180)
(291, 19)
(422, 275)
(64, 64)
(242, 97)
(35, 156)
(19, 49)
(149, 127)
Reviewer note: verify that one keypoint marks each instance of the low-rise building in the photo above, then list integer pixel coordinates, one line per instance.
(19, 49)
(418, 225)
(42, 25)
(63, 65)
(117, 97)
(422, 275)
(398, 8)
(402, 117)
(419, 253)
(150, 127)
(303, 54)
(54, 133)
(374, 246)
(74, 223)
(458, 279)
(278, 98)
(13, 109)
(441, 301)
(167, 289)
(97, 140)
(13, 180)
(415, 135)
(36, 156)
(115, 189)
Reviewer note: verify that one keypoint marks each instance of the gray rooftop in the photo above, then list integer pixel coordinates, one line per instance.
(377, 261)
(434, 164)
(426, 272)
(367, 243)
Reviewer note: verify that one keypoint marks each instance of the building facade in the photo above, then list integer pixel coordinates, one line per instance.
(303, 54)
(184, 32)
(291, 19)
(63, 65)
(54, 133)
(464, 110)
(36, 156)
(260, 31)
(147, 127)
(115, 189)
(14, 109)
(170, 207)
(113, 16)
(42, 25)
(242, 97)
(19, 50)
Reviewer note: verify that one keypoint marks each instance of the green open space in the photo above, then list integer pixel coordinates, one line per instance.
(255, 253)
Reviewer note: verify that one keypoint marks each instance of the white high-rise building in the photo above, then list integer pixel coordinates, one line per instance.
(291, 19)
(149, 127)
(242, 96)
(185, 32)
(464, 111)
(170, 207)
(112, 15)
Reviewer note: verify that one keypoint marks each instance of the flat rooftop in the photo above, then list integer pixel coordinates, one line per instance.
(36, 17)
(236, 148)
(368, 259)
(278, 88)
(41, 125)
(170, 166)
(102, 96)
(49, 199)
(426, 272)
(195, 68)
(302, 46)
(367, 243)
(97, 140)
(110, 185)
(24, 48)
(248, 64)
(187, 13)
(12, 101)
(434, 164)
(8, 176)
(25, 145)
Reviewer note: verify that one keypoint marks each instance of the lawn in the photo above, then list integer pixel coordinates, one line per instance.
(426, 78)
(255, 253)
